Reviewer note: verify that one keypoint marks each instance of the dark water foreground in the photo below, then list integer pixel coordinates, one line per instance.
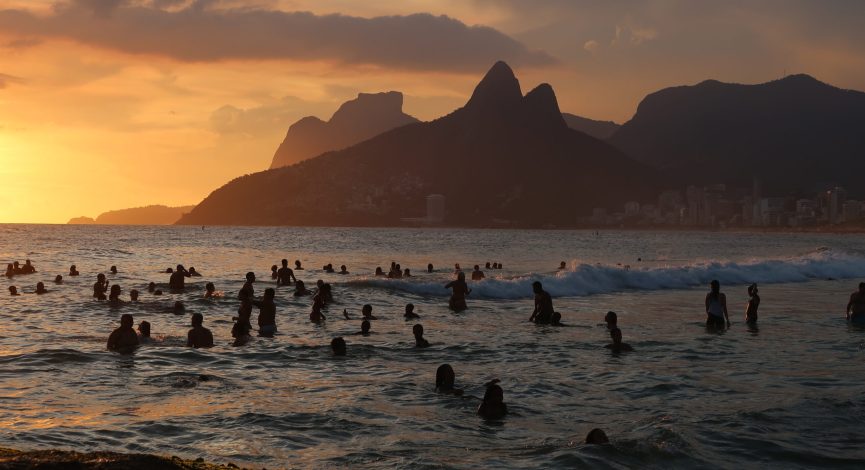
(11, 459)
(789, 395)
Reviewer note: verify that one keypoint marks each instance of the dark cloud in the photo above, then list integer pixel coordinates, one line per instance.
(207, 31)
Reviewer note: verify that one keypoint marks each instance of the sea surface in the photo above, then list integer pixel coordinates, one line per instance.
(789, 395)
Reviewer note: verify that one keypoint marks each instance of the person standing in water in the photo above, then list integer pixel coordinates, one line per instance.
(266, 313)
(856, 306)
(100, 287)
(459, 292)
(543, 312)
(753, 305)
(716, 307)
(199, 336)
(123, 339)
(177, 281)
(285, 276)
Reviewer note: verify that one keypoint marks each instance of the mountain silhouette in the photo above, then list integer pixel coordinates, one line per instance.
(355, 121)
(503, 158)
(597, 129)
(791, 133)
(148, 215)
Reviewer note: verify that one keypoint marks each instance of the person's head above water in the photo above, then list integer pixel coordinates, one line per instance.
(364, 326)
(461, 276)
(445, 377)
(284, 263)
(417, 331)
(296, 263)
(537, 288)
(250, 277)
(269, 293)
(113, 269)
(133, 294)
(115, 290)
(58, 279)
(429, 268)
(378, 271)
(151, 286)
(494, 393)
(477, 268)
(556, 320)
(179, 307)
(209, 287)
(13, 290)
(611, 318)
(144, 328)
(338, 346)
(197, 319)
(180, 267)
(40, 287)
(126, 320)
(409, 309)
(100, 277)
(562, 265)
(366, 310)
(274, 268)
(597, 437)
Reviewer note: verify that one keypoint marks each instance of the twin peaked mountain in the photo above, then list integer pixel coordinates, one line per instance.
(501, 158)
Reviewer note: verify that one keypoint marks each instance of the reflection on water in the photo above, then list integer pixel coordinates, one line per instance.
(791, 393)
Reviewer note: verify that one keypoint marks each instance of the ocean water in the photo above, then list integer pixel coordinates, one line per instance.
(789, 395)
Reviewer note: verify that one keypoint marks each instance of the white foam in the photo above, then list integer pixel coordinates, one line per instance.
(587, 279)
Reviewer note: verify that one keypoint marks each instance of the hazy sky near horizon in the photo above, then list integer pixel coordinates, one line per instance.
(108, 104)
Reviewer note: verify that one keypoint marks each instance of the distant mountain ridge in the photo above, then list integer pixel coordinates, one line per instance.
(597, 129)
(364, 117)
(789, 133)
(503, 158)
(147, 215)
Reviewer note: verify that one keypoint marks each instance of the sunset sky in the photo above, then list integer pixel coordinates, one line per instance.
(108, 104)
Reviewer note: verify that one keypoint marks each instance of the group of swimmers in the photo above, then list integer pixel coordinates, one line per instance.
(15, 268)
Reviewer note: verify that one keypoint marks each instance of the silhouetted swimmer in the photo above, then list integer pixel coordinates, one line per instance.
(338, 346)
(557, 319)
(445, 380)
(285, 276)
(300, 289)
(716, 307)
(459, 292)
(157, 292)
(753, 305)
(169, 270)
(328, 268)
(429, 268)
(409, 312)
(58, 279)
(316, 315)
(419, 340)
(13, 290)
(597, 437)
(562, 266)
(612, 320)
(199, 336)
(366, 310)
(73, 270)
(406, 272)
(210, 291)
(151, 287)
(40, 288)
(144, 332)
(343, 270)
(364, 328)
(477, 274)
(10, 270)
(273, 272)
(133, 295)
(543, 312)
(379, 272)
(100, 287)
(266, 313)
(617, 344)
(856, 306)
(179, 308)
(28, 268)
(114, 296)
(113, 269)
(487, 266)
(177, 281)
(123, 339)
(297, 266)
(193, 272)
(247, 291)
(493, 405)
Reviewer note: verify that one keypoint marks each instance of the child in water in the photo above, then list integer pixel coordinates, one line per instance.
(419, 340)
(493, 405)
(409, 312)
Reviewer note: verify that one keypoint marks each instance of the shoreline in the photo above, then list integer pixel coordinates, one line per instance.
(101, 460)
